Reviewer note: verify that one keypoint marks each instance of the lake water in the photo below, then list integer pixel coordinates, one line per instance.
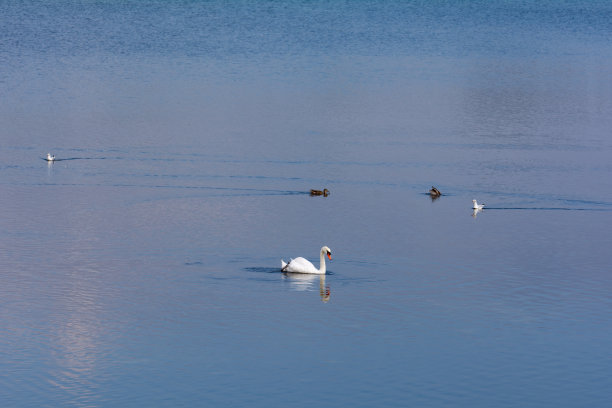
(142, 268)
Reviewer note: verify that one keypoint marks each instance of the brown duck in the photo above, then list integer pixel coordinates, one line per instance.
(324, 193)
(434, 192)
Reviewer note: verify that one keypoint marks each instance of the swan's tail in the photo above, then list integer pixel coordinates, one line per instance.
(283, 265)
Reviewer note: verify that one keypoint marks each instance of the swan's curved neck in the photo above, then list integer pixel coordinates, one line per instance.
(322, 264)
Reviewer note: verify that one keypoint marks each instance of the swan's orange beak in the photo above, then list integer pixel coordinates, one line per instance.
(329, 255)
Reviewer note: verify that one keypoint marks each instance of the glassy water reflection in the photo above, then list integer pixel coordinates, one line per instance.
(141, 267)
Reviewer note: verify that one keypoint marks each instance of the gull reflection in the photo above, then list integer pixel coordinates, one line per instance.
(306, 282)
(476, 211)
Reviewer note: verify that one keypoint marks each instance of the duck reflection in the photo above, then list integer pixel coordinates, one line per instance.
(306, 282)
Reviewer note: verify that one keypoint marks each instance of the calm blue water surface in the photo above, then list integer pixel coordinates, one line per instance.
(142, 269)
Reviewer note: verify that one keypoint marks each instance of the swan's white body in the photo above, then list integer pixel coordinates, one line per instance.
(50, 157)
(302, 265)
(477, 206)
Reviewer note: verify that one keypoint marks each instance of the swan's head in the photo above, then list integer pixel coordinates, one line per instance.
(326, 251)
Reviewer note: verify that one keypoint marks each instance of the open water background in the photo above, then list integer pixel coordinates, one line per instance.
(142, 269)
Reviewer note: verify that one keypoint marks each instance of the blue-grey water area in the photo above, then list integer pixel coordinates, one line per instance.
(142, 267)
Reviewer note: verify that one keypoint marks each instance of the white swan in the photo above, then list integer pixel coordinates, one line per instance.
(50, 157)
(302, 265)
(476, 206)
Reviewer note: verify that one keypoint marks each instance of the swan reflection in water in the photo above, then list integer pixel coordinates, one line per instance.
(305, 282)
